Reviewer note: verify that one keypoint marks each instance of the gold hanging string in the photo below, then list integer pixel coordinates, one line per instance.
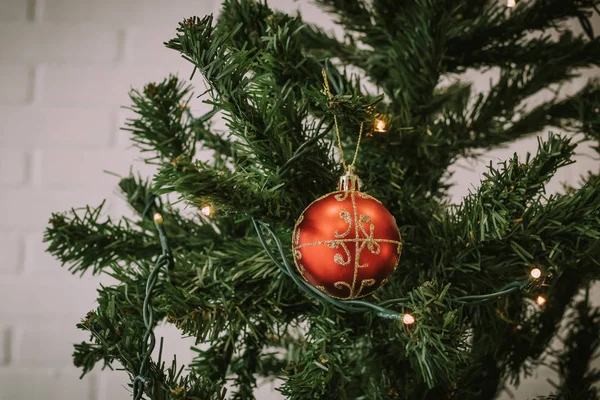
(337, 129)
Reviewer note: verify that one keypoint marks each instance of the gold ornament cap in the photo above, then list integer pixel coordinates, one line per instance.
(349, 181)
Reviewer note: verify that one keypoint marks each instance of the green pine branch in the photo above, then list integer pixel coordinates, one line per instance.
(161, 126)
(85, 241)
(492, 27)
(277, 153)
(578, 379)
(231, 193)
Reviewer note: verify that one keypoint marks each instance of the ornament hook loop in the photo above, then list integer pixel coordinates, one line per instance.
(349, 181)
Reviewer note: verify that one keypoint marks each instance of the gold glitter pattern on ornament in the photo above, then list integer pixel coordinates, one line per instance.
(345, 215)
(363, 239)
(339, 258)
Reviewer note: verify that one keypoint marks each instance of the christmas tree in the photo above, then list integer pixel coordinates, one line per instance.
(481, 288)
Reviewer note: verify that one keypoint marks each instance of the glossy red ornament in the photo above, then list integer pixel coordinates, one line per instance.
(346, 244)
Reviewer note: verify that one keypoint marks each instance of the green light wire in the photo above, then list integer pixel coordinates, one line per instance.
(506, 289)
(165, 260)
(348, 305)
(360, 305)
(141, 382)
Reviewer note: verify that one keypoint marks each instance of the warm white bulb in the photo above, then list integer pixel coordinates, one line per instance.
(536, 273)
(207, 210)
(380, 126)
(158, 218)
(408, 319)
(511, 3)
(540, 301)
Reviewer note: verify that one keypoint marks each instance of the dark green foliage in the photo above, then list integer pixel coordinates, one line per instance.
(581, 344)
(437, 346)
(228, 192)
(263, 70)
(82, 241)
(163, 131)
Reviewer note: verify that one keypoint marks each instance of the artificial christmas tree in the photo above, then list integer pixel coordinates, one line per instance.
(482, 286)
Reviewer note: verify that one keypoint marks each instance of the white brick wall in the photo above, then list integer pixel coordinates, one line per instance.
(13, 254)
(16, 83)
(57, 126)
(60, 43)
(13, 10)
(13, 167)
(65, 69)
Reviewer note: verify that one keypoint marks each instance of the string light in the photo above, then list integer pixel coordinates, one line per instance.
(207, 210)
(541, 300)
(381, 123)
(380, 126)
(536, 273)
(158, 218)
(408, 319)
(511, 3)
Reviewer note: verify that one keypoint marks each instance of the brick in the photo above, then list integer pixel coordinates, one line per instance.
(145, 45)
(13, 166)
(12, 253)
(13, 10)
(29, 209)
(63, 127)
(113, 385)
(88, 169)
(37, 260)
(69, 168)
(61, 300)
(5, 345)
(46, 345)
(54, 43)
(16, 83)
(44, 383)
(126, 13)
(78, 85)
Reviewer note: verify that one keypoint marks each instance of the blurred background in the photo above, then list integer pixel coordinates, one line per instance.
(66, 67)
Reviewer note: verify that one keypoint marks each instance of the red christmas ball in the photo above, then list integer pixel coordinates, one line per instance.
(346, 244)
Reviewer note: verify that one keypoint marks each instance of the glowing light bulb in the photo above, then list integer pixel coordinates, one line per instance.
(511, 3)
(207, 210)
(408, 319)
(158, 218)
(380, 126)
(536, 273)
(540, 300)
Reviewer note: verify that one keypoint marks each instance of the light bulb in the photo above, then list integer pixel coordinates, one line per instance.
(540, 300)
(511, 3)
(207, 210)
(536, 273)
(158, 218)
(408, 319)
(380, 126)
